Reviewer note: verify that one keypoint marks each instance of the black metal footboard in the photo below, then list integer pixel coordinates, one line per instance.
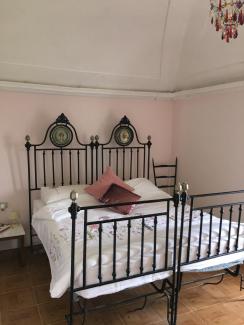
(229, 216)
(211, 230)
(158, 227)
(190, 235)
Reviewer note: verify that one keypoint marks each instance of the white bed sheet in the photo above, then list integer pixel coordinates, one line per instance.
(53, 226)
(37, 205)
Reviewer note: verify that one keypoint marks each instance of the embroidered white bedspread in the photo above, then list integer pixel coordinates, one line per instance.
(53, 225)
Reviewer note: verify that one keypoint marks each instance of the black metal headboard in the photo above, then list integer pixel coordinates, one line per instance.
(63, 140)
(124, 152)
(62, 159)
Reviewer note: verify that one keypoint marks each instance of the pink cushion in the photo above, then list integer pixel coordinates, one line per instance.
(103, 183)
(118, 194)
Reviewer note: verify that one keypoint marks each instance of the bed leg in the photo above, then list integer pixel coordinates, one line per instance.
(180, 195)
(69, 318)
(180, 280)
(174, 312)
(171, 310)
(85, 313)
(170, 293)
(73, 210)
(241, 282)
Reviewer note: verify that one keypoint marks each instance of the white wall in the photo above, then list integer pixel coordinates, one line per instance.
(209, 141)
(206, 132)
(23, 113)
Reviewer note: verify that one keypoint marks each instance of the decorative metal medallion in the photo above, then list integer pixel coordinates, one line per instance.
(123, 135)
(61, 135)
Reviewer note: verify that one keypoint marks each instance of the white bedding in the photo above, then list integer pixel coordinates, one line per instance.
(53, 225)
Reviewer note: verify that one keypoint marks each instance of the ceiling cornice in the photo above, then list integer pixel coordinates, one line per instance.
(238, 85)
(77, 91)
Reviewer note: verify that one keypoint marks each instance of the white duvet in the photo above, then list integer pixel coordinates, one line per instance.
(53, 225)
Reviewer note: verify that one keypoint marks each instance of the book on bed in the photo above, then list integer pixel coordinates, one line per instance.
(118, 194)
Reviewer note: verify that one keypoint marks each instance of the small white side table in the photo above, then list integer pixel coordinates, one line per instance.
(16, 231)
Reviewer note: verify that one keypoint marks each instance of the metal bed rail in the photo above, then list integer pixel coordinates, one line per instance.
(168, 289)
(226, 212)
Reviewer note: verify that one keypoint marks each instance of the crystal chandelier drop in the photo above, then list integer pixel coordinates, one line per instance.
(227, 16)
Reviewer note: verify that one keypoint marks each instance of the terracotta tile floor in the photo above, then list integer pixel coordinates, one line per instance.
(25, 300)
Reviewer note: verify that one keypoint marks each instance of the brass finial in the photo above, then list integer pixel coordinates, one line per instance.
(185, 187)
(74, 196)
(27, 138)
(178, 188)
(96, 137)
(92, 138)
(149, 138)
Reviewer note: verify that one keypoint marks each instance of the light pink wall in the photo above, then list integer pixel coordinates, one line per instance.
(209, 141)
(23, 113)
(206, 133)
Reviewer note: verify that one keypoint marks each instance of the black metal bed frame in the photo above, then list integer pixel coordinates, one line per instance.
(170, 287)
(53, 165)
(121, 156)
(37, 175)
(94, 163)
(167, 286)
(211, 209)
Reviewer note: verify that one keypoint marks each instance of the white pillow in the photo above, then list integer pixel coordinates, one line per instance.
(147, 189)
(50, 195)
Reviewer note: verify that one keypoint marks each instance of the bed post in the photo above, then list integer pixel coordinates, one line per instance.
(183, 198)
(73, 210)
(149, 144)
(173, 308)
(92, 146)
(189, 230)
(96, 150)
(28, 146)
(176, 171)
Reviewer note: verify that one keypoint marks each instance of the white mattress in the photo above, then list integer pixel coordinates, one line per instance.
(53, 225)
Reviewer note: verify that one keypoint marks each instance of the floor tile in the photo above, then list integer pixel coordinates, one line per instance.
(26, 316)
(17, 300)
(221, 314)
(54, 311)
(147, 316)
(40, 276)
(104, 318)
(14, 282)
(12, 267)
(42, 293)
(203, 296)
(25, 300)
(190, 319)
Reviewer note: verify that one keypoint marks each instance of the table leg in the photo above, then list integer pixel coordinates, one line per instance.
(21, 250)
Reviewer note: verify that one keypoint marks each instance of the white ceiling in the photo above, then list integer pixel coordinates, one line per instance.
(148, 45)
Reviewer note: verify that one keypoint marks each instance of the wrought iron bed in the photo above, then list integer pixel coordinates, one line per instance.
(65, 160)
(71, 162)
(129, 160)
